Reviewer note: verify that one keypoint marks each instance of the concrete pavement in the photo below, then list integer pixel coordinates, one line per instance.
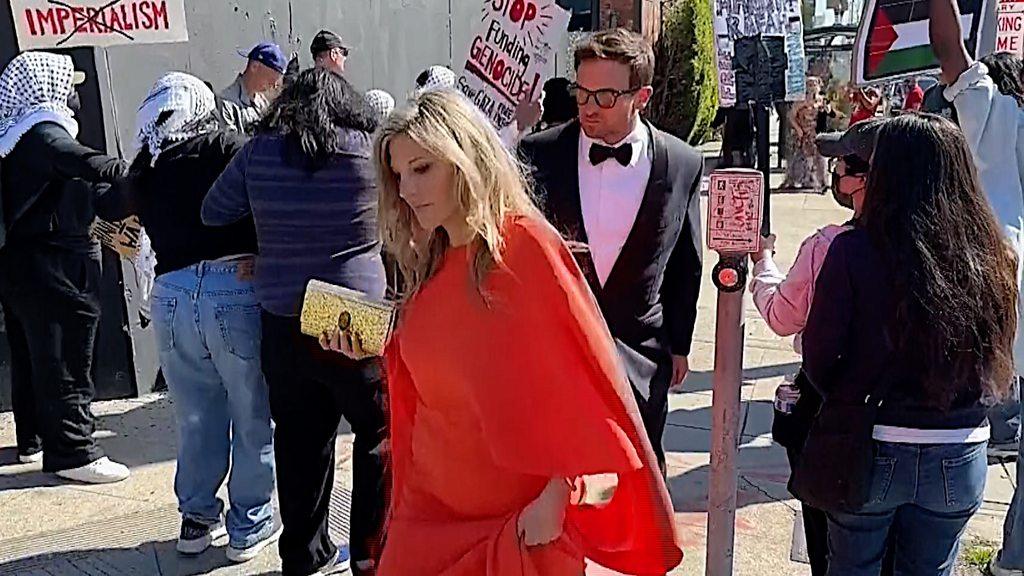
(51, 527)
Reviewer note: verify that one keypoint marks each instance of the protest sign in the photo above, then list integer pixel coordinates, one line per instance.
(122, 237)
(60, 24)
(510, 55)
(892, 41)
(796, 62)
(1010, 27)
(723, 58)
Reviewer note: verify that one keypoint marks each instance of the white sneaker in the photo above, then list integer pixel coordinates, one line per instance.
(996, 570)
(240, 555)
(102, 471)
(196, 537)
(33, 458)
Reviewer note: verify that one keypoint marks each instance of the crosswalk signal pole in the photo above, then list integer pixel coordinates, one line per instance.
(735, 205)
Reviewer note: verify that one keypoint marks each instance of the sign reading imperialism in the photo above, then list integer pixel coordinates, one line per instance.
(65, 24)
(893, 42)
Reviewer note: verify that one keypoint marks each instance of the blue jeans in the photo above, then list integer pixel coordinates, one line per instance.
(1012, 554)
(1005, 418)
(923, 495)
(207, 325)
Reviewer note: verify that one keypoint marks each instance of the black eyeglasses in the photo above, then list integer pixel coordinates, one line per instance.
(606, 97)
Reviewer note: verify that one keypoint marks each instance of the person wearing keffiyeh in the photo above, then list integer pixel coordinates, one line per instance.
(52, 188)
(206, 320)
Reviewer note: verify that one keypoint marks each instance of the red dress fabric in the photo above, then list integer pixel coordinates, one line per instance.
(490, 399)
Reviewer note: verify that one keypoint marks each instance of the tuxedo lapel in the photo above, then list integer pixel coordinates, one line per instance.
(567, 208)
(648, 217)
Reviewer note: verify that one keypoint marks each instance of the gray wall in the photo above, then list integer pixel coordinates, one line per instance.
(392, 41)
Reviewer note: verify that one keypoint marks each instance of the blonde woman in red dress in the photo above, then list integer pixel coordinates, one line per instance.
(517, 446)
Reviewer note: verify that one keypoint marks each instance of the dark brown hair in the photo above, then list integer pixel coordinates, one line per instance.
(623, 46)
(955, 277)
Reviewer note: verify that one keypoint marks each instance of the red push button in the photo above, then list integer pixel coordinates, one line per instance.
(728, 277)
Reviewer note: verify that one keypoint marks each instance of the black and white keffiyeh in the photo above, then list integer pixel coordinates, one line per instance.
(191, 105)
(34, 88)
(435, 78)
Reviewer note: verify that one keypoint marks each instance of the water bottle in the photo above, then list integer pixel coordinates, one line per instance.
(786, 396)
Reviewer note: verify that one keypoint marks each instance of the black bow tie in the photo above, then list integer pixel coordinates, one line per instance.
(622, 154)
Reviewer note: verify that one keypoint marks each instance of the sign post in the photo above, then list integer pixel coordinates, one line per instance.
(1010, 27)
(735, 206)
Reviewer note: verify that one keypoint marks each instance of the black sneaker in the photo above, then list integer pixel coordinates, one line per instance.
(196, 537)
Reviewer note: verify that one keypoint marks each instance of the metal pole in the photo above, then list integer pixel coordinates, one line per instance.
(725, 414)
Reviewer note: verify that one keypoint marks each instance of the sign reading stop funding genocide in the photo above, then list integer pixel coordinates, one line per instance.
(1010, 27)
(510, 54)
(735, 204)
(63, 24)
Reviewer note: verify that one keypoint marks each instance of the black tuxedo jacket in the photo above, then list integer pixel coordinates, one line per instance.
(650, 297)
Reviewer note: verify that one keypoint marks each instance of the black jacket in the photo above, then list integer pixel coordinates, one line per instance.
(650, 297)
(168, 198)
(848, 342)
(52, 188)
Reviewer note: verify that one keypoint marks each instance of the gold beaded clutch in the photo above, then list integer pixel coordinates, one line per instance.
(327, 306)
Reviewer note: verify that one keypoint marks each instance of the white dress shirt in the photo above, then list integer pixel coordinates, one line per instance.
(610, 196)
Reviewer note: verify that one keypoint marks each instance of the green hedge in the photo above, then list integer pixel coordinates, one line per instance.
(685, 79)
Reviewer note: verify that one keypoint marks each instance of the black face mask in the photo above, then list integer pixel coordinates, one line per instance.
(75, 101)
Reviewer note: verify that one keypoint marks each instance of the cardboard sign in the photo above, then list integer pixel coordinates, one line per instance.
(121, 237)
(735, 204)
(1010, 27)
(510, 55)
(892, 41)
(63, 24)
(723, 57)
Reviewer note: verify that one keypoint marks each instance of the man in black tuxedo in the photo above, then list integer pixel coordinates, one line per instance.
(628, 194)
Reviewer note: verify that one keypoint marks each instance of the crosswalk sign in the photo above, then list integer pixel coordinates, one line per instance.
(892, 41)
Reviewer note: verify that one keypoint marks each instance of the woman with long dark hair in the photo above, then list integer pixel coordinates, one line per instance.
(916, 308)
(308, 180)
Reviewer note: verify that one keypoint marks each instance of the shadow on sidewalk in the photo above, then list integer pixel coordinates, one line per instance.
(143, 434)
(155, 558)
(761, 464)
(700, 381)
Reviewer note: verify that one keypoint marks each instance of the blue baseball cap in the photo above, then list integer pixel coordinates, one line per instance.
(270, 55)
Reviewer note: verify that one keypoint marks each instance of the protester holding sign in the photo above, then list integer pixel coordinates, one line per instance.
(50, 266)
(992, 123)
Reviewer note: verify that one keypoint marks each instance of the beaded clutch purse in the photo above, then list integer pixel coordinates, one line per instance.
(327, 306)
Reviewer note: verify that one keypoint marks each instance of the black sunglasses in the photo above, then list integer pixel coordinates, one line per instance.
(606, 97)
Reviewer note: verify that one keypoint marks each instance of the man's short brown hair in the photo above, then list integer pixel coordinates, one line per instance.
(623, 46)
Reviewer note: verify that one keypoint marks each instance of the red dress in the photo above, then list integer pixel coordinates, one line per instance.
(491, 399)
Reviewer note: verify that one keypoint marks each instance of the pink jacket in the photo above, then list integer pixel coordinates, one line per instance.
(785, 300)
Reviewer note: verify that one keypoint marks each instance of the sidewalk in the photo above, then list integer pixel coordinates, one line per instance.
(52, 528)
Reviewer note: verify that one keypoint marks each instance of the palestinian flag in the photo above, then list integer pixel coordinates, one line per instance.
(893, 38)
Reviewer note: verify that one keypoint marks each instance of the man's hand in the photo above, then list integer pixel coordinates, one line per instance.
(680, 368)
(528, 113)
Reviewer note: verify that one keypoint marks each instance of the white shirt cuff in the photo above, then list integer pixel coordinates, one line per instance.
(974, 74)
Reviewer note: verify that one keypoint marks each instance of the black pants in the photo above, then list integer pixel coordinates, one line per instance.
(815, 529)
(310, 391)
(26, 423)
(52, 313)
(654, 413)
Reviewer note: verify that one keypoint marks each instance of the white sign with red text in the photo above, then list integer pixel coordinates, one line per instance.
(1010, 27)
(735, 204)
(510, 54)
(68, 23)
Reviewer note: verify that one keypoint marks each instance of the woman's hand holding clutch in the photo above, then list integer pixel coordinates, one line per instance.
(345, 342)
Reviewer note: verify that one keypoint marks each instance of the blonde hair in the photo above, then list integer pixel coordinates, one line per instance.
(490, 185)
